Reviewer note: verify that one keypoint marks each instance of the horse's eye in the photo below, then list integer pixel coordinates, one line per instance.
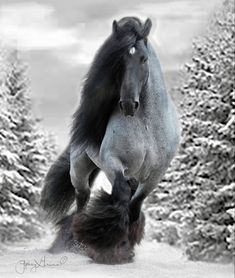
(132, 50)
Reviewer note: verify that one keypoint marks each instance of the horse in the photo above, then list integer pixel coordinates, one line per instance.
(126, 126)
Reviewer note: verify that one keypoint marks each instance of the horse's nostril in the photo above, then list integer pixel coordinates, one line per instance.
(136, 105)
(123, 243)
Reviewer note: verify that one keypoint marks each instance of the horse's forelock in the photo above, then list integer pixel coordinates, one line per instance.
(130, 20)
(131, 26)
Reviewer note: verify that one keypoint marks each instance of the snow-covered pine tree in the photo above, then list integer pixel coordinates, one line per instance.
(24, 153)
(195, 204)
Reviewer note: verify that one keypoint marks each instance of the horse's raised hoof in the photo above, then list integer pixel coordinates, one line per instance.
(102, 224)
(123, 251)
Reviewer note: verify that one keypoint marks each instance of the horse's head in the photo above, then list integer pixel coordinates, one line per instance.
(135, 66)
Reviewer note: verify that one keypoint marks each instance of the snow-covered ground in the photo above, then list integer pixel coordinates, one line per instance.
(153, 260)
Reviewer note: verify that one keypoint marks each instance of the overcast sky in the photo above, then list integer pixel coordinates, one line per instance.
(59, 38)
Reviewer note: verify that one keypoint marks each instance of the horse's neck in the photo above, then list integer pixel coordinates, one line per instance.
(157, 99)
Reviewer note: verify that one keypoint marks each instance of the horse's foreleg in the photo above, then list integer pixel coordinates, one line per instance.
(121, 191)
(138, 198)
(143, 190)
(135, 206)
(82, 172)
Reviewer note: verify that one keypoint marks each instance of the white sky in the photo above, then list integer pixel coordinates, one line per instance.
(33, 26)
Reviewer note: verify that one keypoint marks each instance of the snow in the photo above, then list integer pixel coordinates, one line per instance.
(153, 260)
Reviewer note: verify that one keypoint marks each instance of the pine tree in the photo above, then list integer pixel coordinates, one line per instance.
(24, 154)
(198, 191)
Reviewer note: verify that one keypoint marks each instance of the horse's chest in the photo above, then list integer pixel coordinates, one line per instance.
(160, 147)
(143, 146)
(156, 148)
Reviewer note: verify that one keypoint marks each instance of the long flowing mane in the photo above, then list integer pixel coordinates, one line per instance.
(100, 92)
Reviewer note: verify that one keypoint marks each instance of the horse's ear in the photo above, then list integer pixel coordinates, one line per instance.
(115, 27)
(147, 27)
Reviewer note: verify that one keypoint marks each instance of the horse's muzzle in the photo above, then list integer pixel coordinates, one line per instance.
(128, 108)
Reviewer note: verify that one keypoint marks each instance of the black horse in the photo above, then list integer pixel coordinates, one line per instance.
(126, 126)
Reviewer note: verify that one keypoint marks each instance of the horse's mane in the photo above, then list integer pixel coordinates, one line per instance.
(101, 88)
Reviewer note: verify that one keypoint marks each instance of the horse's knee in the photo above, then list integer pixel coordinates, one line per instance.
(121, 190)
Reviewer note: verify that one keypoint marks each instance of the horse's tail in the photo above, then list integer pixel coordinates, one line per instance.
(58, 193)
